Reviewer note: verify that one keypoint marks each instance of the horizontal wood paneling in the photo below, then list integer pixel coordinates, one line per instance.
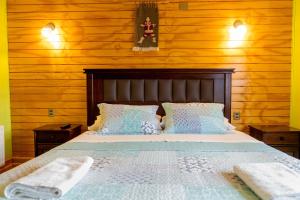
(54, 68)
(228, 13)
(166, 21)
(123, 37)
(124, 52)
(128, 6)
(99, 33)
(44, 112)
(24, 2)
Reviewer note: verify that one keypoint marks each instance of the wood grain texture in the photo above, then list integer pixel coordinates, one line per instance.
(99, 33)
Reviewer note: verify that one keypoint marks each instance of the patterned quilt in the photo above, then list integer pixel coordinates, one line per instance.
(159, 170)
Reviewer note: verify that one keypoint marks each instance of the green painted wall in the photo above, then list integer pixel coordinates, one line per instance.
(4, 81)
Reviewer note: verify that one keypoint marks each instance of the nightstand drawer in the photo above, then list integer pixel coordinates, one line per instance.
(52, 137)
(281, 138)
(42, 148)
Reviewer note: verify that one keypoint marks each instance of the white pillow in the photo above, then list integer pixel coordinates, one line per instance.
(200, 118)
(97, 124)
(229, 127)
(121, 119)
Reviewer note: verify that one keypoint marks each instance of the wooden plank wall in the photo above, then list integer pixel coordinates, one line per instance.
(98, 34)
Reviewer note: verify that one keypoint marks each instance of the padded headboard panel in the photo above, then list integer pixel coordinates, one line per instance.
(154, 86)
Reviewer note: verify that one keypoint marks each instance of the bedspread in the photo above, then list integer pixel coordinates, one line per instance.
(159, 170)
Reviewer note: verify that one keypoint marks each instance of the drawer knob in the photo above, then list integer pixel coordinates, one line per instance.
(281, 138)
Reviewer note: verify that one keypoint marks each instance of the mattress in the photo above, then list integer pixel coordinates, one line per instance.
(231, 137)
(165, 167)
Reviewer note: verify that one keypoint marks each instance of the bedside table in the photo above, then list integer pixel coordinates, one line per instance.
(283, 138)
(51, 135)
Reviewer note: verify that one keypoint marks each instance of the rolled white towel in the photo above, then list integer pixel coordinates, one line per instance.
(50, 181)
(270, 180)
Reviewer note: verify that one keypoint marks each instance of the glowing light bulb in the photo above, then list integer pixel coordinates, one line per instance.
(46, 31)
(51, 34)
(237, 34)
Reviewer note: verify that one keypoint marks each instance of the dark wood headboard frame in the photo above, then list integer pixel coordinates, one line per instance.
(220, 78)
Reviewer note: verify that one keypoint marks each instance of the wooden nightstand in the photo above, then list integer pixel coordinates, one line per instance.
(50, 136)
(284, 138)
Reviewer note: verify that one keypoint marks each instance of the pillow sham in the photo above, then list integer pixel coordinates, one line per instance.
(194, 118)
(120, 119)
(228, 126)
(97, 124)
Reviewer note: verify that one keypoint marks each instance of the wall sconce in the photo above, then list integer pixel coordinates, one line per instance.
(50, 32)
(237, 33)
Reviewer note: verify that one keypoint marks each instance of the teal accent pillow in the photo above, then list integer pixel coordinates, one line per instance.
(118, 119)
(199, 118)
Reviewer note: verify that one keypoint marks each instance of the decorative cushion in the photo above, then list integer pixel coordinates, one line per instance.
(97, 124)
(128, 119)
(229, 127)
(194, 118)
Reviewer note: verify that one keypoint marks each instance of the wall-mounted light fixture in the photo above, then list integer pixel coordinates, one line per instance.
(237, 33)
(50, 32)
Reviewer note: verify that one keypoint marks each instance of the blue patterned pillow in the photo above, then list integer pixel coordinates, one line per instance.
(194, 118)
(120, 119)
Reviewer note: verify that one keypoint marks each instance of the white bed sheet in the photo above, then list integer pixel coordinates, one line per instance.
(231, 137)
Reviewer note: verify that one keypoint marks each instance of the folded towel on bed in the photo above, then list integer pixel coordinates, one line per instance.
(50, 181)
(270, 180)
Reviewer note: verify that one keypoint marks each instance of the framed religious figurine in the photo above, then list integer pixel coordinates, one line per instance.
(146, 27)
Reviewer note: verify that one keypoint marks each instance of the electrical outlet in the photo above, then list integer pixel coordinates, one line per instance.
(183, 6)
(51, 112)
(236, 115)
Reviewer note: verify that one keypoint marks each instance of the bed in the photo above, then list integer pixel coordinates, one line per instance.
(166, 166)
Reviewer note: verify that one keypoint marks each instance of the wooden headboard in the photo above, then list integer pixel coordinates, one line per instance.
(154, 86)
